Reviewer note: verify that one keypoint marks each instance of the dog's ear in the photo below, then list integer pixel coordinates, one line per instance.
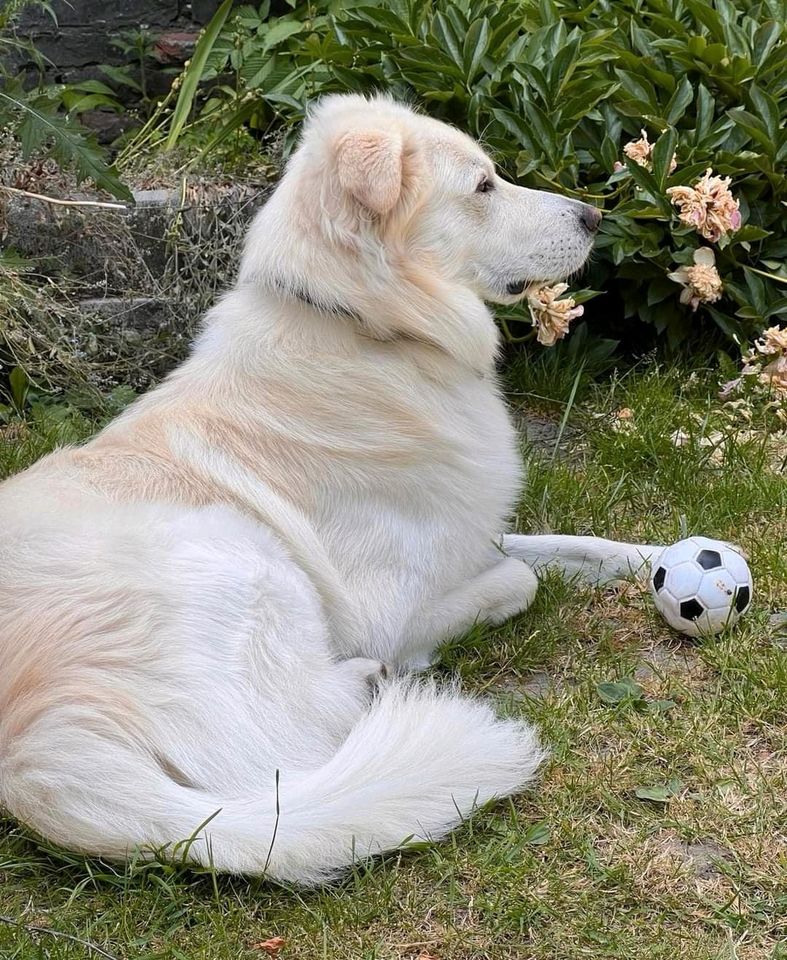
(369, 166)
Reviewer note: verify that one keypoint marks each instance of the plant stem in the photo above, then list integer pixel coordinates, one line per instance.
(64, 203)
(770, 276)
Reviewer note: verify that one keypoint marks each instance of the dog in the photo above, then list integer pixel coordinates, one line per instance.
(199, 607)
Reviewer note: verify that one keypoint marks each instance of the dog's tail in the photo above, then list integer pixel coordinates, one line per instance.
(414, 767)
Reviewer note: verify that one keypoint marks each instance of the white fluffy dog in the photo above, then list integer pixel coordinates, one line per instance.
(192, 605)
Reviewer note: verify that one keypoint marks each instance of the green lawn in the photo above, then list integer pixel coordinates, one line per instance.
(581, 867)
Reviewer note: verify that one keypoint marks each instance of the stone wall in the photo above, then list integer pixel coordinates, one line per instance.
(126, 289)
(80, 39)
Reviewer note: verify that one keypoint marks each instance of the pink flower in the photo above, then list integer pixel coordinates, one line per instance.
(640, 152)
(773, 340)
(767, 360)
(551, 317)
(774, 374)
(701, 282)
(708, 206)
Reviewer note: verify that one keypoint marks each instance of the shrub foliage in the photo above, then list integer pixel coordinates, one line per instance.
(555, 89)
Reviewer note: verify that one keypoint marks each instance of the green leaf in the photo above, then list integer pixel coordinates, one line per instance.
(705, 110)
(619, 690)
(447, 38)
(120, 76)
(661, 157)
(582, 296)
(660, 793)
(41, 127)
(660, 706)
(707, 16)
(537, 834)
(680, 101)
(765, 39)
(748, 233)
(648, 183)
(19, 382)
(278, 32)
(475, 47)
(91, 86)
(514, 124)
(386, 20)
(193, 74)
(76, 102)
(757, 290)
(767, 110)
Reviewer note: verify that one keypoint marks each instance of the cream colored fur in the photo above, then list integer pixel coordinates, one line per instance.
(192, 605)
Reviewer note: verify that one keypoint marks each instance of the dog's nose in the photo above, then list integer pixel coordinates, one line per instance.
(591, 217)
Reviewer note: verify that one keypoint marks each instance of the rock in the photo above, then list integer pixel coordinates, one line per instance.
(106, 124)
(129, 314)
(143, 199)
(114, 252)
(203, 10)
(79, 33)
(175, 46)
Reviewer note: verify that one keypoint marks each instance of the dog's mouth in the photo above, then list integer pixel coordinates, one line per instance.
(515, 288)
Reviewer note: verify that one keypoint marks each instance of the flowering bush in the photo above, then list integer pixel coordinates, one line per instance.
(668, 114)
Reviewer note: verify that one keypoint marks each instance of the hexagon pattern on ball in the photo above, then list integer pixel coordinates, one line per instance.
(700, 586)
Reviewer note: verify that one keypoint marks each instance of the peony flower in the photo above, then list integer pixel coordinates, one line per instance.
(773, 340)
(766, 360)
(640, 152)
(774, 374)
(551, 317)
(701, 283)
(708, 206)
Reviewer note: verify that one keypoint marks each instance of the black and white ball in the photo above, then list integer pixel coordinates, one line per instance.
(700, 586)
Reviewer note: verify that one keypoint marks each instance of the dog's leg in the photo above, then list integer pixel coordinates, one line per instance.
(505, 589)
(593, 559)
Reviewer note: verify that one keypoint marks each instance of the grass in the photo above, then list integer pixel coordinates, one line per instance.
(581, 867)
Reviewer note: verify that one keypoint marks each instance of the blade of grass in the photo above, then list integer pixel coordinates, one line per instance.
(193, 75)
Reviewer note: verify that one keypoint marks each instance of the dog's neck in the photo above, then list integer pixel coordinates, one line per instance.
(389, 296)
(324, 306)
(319, 303)
(447, 333)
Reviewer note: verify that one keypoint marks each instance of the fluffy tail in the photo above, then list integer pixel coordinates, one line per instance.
(414, 767)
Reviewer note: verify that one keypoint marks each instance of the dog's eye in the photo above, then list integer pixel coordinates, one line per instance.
(484, 186)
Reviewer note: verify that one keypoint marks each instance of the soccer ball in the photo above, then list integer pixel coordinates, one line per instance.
(701, 586)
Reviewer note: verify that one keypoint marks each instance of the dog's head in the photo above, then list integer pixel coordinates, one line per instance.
(380, 198)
